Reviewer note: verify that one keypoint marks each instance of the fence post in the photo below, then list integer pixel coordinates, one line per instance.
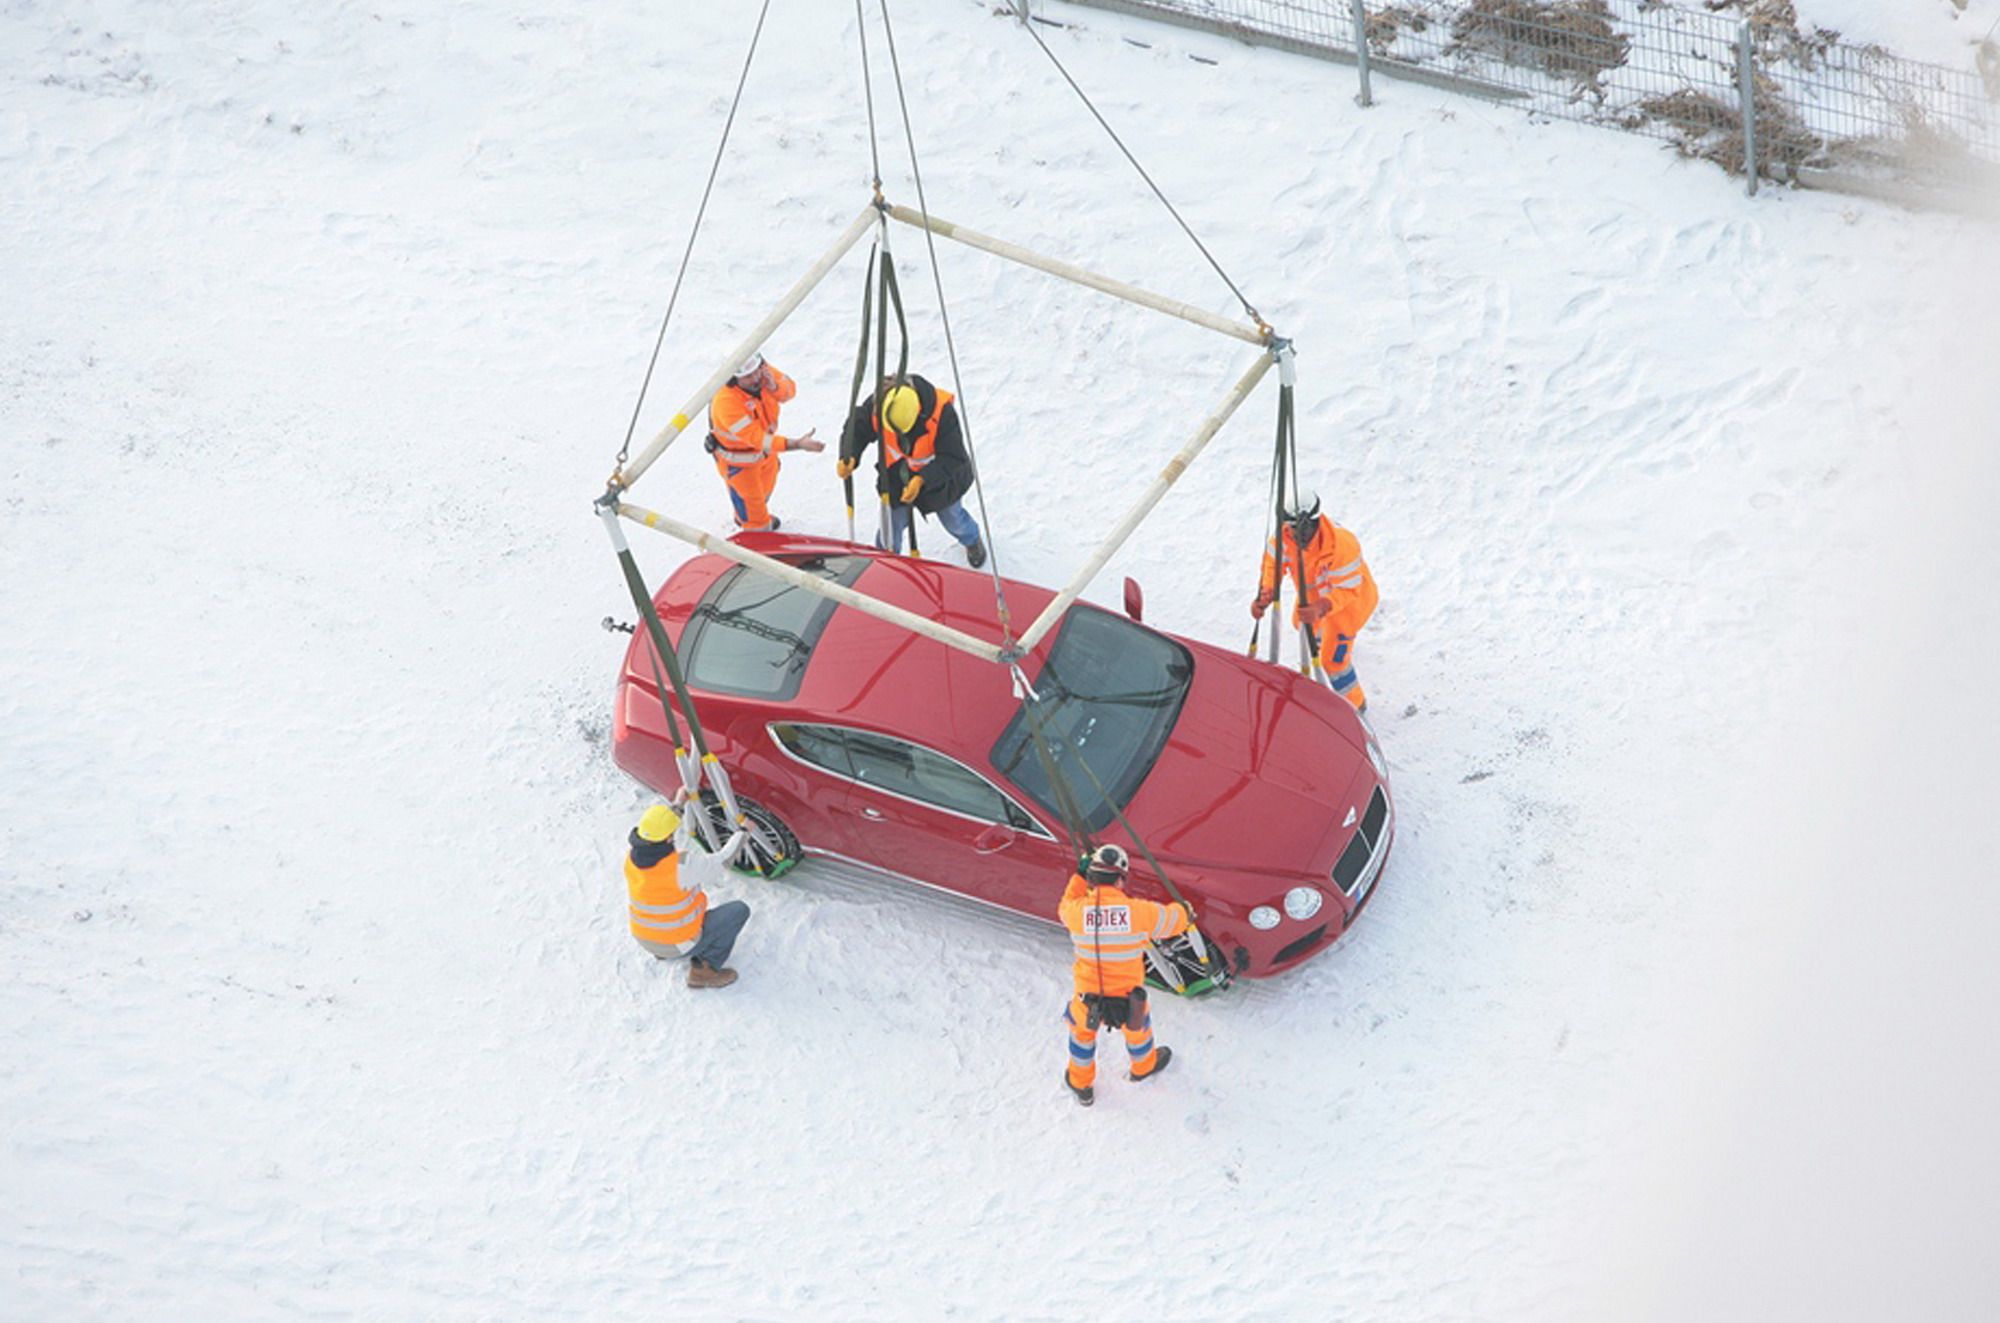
(1360, 10)
(1746, 84)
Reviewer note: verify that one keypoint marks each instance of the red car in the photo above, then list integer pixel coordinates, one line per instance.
(1261, 793)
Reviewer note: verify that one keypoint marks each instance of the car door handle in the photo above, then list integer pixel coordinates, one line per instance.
(994, 839)
(872, 814)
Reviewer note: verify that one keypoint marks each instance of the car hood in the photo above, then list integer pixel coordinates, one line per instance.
(1261, 762)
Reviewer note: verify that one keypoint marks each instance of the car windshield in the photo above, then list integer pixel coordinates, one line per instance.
(753, 635)
(1111, 692)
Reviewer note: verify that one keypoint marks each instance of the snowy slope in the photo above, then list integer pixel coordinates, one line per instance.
(1941, 31)
(327, 323)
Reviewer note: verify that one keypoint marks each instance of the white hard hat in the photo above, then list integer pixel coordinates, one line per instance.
(750, 366)
(1108, 863)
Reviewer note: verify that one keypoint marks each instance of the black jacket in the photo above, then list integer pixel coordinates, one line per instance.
(947, 478)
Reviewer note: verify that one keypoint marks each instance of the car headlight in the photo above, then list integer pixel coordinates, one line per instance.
(1375, 757)
(1263, 918)
(1303, 902)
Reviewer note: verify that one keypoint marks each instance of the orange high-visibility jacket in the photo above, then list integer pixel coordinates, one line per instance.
(1335, 574)
(920, 447)
(662, 913)
(744, 427)
(1109, 930)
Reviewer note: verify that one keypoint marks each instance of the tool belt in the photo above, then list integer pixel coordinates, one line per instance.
(1114, 1012)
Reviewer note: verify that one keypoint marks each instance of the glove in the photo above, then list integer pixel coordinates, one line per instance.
(1314, 612)
(806, 443)
(1265, 597)
(845, 469)
(910, 490)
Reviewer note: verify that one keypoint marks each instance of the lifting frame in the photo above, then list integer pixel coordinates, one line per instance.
(1274, 350)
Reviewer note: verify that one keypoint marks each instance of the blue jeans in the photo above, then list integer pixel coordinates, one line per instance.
(718, 933)
(954, 518)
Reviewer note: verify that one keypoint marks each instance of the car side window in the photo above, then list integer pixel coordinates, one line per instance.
(822, 746)
(911, 770)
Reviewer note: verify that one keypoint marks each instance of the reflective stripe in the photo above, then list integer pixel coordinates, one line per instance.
(673, 911)
(1165, 927)
(684, 931)
(1083, 1051)
(1139, 1050)
(1349, 568)
(737, 427)
(1343, 682)
(923, 463)
(1354, 582)
(1089, 947)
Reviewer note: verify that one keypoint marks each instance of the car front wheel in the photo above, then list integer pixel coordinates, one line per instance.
(771, 850)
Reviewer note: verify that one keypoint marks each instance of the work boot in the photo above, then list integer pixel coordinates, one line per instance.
(776, 523)
(1160, 1059)
(701, 974)
(1085, 1095)
(975, 555)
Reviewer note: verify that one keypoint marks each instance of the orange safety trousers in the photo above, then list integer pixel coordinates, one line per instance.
(1336, 658)
(750, 488)
(1083, 1040)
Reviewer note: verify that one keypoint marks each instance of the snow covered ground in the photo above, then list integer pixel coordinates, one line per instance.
(1941, 31)
(315, 994)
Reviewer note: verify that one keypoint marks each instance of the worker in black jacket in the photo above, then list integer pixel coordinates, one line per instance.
(925, 466)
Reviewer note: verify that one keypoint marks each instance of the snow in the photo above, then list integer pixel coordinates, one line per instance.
(1940, 31)
(318, 997)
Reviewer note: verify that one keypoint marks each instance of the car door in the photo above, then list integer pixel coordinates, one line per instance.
(911, 810)
(939, 821)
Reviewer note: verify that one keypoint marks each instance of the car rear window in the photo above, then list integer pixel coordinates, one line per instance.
(753, 635)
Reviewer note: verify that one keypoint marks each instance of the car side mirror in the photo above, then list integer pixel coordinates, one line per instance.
(1135, 600)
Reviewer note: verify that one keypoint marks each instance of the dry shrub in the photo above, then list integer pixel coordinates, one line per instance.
(1385, 25)
(1568, 38)
(1711, 128)
(1924, 150)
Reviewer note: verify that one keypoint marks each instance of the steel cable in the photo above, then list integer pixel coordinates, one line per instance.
(686, 256)
(951, 348)
(1185, 228)
(868, 94)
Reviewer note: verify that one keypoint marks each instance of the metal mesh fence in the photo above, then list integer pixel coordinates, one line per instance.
(1692, 77)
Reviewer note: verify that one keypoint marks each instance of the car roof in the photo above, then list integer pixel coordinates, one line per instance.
(867, 672)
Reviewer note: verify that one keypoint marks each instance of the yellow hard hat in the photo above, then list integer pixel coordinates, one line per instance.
(658, 823)
(899, 408)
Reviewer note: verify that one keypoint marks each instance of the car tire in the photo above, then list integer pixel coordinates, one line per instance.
(772, 850)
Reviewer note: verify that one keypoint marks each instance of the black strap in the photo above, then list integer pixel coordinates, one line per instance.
(889, 295)
(860, 371)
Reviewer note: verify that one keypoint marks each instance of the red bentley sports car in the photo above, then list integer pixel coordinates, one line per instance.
(1262, 793)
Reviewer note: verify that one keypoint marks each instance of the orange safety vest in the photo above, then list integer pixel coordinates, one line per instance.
(743, 428)
(922, 448)
(663, 914)
(1109, 930)
(1335, 573)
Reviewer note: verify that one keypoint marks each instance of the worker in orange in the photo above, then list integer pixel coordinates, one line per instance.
(1339, 593)
(743, 437)
(671, 922)
(1108, 931)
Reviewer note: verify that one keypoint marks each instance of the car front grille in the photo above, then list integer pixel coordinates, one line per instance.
(1354, 870)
